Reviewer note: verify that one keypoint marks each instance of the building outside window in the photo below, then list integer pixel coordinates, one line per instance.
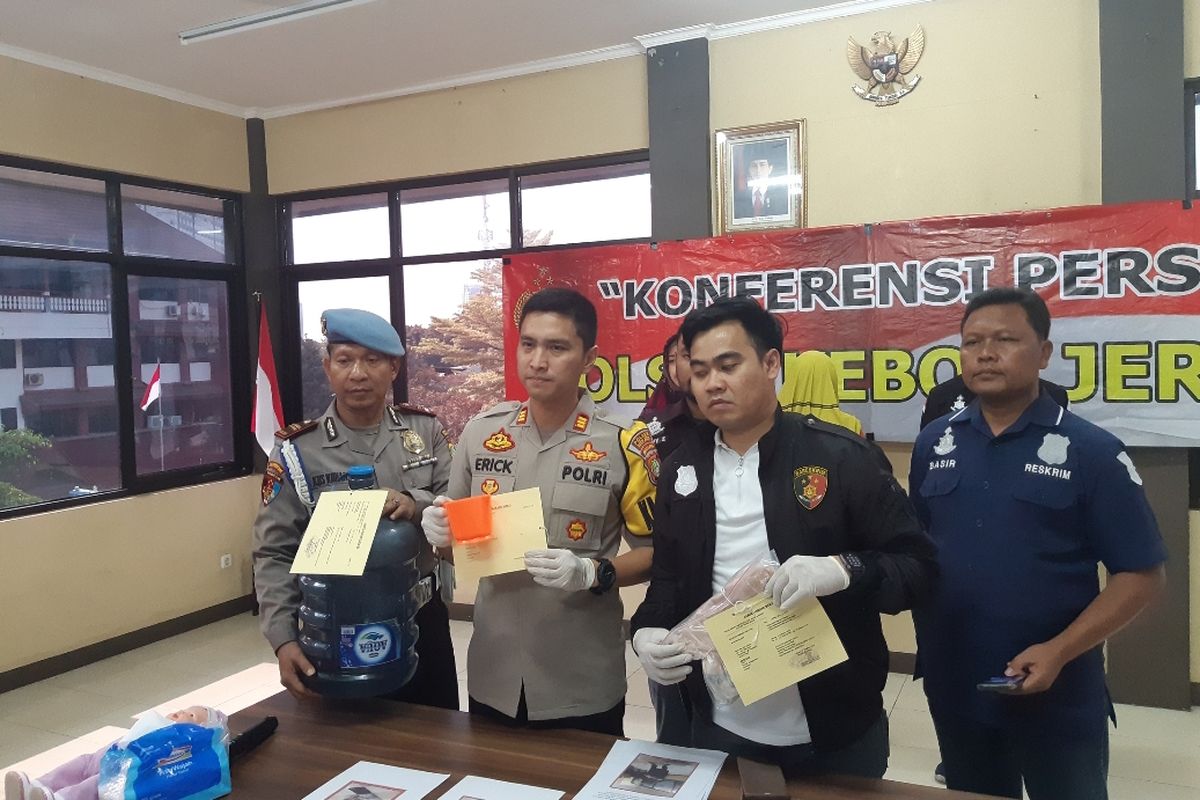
(65, 421)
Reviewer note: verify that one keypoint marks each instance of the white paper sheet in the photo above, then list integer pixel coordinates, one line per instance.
(476, 788)
(370, 781)
(637, 770)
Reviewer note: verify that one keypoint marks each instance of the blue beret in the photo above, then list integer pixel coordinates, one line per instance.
(353, 326)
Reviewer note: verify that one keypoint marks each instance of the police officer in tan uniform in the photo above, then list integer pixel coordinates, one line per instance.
(408, 448)
(548, 648)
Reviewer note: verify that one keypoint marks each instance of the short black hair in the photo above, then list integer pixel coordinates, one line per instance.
(571, 304)
(1034, 305)
(763, 328)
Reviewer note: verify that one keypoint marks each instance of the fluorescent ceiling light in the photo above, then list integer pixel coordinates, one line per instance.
(265, 18)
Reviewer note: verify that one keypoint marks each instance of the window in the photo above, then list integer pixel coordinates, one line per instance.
(42, 209)
(460, 218)
(1191, 125)
(68, 427)
(455, 352)
(586, 205)
(50, 313)
(340, 229)
(436, 246)
(157, 222)
(191, 422)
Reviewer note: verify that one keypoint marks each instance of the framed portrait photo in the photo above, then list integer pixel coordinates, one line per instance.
(761, 176)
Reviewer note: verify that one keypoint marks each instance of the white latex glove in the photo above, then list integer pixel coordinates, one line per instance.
(801, 577)
(665, 663)
(435, 524)
(560, 569)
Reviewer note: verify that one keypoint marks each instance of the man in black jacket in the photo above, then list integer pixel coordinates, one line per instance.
(841, 526)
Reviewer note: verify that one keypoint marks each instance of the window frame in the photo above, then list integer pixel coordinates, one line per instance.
(1191, 96)
(121, 267)
(393, 266)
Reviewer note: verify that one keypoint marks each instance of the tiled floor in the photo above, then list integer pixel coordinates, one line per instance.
(1155, 754)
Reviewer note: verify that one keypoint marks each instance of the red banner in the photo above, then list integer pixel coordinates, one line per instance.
(1122, 284)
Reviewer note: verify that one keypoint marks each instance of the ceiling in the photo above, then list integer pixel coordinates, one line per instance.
(382, 48)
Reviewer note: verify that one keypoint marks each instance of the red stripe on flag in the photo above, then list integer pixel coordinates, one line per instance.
(266, 391)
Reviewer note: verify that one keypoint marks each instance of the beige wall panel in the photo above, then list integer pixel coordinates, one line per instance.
(1006, 116)
(79, 576)
(581, 111)
(62, 117)
(1191, 42)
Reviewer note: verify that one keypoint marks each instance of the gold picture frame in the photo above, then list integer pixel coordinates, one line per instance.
(761, 177)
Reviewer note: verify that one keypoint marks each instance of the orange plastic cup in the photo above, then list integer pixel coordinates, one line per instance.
(470, 518)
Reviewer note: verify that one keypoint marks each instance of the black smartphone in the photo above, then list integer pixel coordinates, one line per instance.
(1002, 684)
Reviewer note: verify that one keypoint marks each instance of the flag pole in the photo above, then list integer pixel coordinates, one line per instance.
(162, 423)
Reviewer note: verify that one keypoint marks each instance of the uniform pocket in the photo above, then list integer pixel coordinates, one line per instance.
(1047, 493)
(577, 515)
(939, 482)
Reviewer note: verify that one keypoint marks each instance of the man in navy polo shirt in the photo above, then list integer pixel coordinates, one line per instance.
(1023, 499)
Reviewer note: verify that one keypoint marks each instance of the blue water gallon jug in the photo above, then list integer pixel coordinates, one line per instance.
(359, 631)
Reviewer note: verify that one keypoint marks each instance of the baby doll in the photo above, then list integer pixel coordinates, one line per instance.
(77, 779)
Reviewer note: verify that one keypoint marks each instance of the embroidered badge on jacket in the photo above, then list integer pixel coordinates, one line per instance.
(499, 442)
(271, 481)
(685, 480)
(1054, 449)
(413, 442)
(810, 484)
(576, 529)
(588, 454)
(945, 445)
(1124, 458)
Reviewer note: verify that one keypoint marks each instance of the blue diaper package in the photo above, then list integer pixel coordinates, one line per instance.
(181, 761)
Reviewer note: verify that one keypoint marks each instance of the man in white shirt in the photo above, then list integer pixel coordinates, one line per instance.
(825, 501)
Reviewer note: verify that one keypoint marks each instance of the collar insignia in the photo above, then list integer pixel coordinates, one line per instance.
(580, 425)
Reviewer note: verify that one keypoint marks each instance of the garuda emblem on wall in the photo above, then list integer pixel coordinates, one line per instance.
(886, 65)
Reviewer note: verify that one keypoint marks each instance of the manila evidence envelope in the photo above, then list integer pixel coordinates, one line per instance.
(517, 526)
(765, 649)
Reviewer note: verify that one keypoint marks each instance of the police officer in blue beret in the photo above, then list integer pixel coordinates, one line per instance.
(409, 449)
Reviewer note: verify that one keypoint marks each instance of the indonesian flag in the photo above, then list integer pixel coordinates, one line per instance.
(268, 411)
(153, 388)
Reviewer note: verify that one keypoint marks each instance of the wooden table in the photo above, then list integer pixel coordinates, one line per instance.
(317, 740)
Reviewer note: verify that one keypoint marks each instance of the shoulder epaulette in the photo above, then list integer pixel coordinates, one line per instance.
(617, 419)
(828, 427)
(408, 408)
(506, 407)
(295, 429)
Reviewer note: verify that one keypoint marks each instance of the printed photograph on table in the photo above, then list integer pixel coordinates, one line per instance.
(655, 776)
(356, 790)
(760, 177)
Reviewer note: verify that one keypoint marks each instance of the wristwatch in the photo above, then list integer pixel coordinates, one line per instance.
(854, 565)
(606, 576)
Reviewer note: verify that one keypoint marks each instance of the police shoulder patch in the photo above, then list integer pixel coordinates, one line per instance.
(408, 408)
(295, 429)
